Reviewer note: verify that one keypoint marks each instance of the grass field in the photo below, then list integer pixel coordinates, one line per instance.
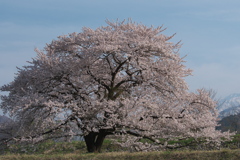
(76, 150)
(167, 155)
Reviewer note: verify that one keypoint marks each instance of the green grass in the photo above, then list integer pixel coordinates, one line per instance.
(167, 155)
(76, 150)
(51, 147)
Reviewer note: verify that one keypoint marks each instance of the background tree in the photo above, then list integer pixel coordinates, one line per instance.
(6, 128)
(231, 123)
(7, 131)
(125, 79)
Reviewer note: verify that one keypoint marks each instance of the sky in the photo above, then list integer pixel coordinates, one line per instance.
(208, 29)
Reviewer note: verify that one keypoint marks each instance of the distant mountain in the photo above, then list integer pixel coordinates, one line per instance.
(229, 105)
(5, 119)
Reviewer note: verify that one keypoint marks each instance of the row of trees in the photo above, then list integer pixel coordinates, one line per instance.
(123, 79)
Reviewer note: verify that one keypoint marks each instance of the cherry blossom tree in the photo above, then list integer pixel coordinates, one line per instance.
(123, 79)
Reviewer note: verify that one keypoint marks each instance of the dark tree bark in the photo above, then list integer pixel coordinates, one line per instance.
(94, 141)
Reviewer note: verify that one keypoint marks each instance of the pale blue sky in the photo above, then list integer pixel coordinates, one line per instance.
(208, 29)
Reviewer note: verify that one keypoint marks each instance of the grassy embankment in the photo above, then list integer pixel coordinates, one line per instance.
(167, 155)
(77, 151)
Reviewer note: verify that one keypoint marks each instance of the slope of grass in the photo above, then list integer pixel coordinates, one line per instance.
(76, 150)
(174, 155)
(51, 147)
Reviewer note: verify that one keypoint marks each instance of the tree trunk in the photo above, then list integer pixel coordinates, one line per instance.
(94, 141)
